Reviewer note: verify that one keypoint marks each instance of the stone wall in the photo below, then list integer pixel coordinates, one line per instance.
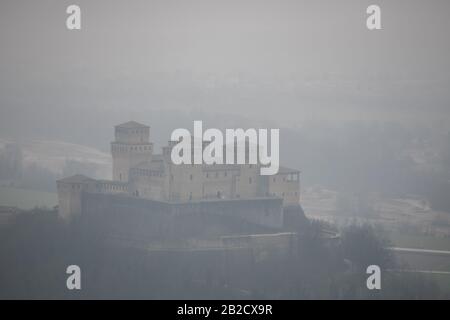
(126, 216)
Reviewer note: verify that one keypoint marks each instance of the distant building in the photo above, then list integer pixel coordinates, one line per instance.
(140, 173)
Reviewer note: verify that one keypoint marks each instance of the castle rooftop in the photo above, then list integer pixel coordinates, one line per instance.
(286, 170)
(78, 178)
(132, 124)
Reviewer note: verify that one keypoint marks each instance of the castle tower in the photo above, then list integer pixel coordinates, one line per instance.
(70, 192)
(131, 147)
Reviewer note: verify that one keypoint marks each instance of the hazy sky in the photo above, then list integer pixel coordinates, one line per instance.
(276, 59)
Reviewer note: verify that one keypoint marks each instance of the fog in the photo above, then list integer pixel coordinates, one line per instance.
(362, 114)
(289, 61)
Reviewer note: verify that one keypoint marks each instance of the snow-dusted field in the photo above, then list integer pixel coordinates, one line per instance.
(392, 213)
(52, 155)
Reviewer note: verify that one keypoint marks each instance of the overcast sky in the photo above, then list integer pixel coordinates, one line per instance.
(277, 59)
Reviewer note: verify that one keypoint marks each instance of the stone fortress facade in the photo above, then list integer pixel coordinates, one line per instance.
(140, 173)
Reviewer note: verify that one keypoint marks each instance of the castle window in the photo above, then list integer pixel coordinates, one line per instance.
(207, 175)
(190, 177)
(225, 174)
(217, 174)
(249, 180)
(274, 179)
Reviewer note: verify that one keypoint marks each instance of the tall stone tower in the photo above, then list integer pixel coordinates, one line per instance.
(131, 147)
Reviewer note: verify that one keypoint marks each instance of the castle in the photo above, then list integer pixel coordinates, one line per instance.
(139, 173)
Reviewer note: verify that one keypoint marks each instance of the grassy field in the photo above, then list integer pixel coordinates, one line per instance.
(27, 199)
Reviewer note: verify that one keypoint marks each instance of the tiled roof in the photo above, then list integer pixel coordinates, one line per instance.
(132, 124)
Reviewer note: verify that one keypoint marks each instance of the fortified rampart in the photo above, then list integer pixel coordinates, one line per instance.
(126, 216)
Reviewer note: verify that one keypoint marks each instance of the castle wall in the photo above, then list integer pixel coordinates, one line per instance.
(186, 182)
(285, 186)
(247, 183)
(148, 184)
(264, 212)
(285, 243)
(219, 184)
(143, 218)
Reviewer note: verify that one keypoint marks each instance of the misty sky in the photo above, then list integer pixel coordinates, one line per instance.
(275, 59)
